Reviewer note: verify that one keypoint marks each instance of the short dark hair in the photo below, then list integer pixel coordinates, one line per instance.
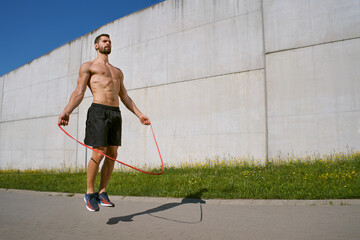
(97, 39)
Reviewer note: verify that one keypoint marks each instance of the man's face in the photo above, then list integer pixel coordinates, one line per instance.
(104, 45)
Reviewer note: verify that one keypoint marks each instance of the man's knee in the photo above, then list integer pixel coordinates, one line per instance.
(97, 157)
(112, 152)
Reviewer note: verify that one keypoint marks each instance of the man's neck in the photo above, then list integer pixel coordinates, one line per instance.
(103, 58)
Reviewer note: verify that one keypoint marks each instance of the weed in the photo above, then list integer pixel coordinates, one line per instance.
(334, 176)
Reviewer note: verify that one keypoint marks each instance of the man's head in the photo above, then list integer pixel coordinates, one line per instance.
(103, 43)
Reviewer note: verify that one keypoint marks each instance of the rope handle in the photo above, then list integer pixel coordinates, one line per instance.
(127, 165)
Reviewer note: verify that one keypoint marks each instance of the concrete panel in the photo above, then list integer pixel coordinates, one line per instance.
(56, 98)
(292, 135)
(247, 146)
(48, 98)
(59, 62)
(319, 79)
(6, 135)
(21, 135)
(74, 56)
(238, 44)
(197, 13)
(19, 78)
(149, 63)
(227, 105)
(292, 24)
(231, 8)
(175, 13)
(188, 54)
(199, 148)
(16, 104)
(313, 100)
(150, 23)
(339, 132)
(337, 75)
(239, 106)
(231, 45)
(5, 157)
(36, 159)
(38, 97)
(19, 159)
(310, 134)
(8, 105)
(40, 70)
(123, 28)
(54, 159)
(290, 83)
(22, 106)
(36, 134)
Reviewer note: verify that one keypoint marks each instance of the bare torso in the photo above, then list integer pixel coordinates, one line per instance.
(104, 83)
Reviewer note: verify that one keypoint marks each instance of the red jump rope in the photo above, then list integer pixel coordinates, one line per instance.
(157, 146)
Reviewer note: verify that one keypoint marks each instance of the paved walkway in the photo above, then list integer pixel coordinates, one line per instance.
(38, 215)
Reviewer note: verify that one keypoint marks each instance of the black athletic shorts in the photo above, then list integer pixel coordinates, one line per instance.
(103, 126)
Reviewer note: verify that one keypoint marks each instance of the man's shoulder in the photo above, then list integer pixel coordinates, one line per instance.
(86, 66)
(118, 70)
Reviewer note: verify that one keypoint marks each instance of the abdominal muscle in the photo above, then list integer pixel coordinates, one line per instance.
(105, 91)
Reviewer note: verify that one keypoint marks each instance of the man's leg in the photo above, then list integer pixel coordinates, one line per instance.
(107, 168)
(93, 168)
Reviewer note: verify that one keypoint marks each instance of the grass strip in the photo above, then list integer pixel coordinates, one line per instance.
(334, 176)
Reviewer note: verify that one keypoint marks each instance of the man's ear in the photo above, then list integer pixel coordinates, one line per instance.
(96, 46)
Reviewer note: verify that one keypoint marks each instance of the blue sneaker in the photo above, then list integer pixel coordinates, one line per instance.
(91, 201)
(105, 201)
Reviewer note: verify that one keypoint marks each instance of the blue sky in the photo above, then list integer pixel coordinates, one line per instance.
(32, 28)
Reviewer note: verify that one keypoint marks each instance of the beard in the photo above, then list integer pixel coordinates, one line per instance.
(105, 50)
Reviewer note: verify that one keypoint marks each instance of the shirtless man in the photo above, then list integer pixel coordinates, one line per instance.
(103, 124)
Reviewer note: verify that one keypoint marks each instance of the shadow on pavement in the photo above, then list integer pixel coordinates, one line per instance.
(190, 199)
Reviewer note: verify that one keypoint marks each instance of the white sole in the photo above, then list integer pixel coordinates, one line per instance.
(106, 205)
(91, 210)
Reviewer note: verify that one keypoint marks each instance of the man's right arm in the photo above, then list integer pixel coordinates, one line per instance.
(78, 94)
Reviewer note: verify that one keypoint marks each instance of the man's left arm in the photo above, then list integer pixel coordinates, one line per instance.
(129, 103)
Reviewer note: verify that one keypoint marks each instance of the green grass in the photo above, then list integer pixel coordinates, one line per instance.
(333, 176)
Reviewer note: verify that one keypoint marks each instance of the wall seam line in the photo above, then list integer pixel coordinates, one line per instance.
(312, 45)
(265, 86)
(197, 79)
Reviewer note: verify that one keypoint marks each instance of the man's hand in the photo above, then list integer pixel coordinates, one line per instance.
(144, 120)
(64, 119)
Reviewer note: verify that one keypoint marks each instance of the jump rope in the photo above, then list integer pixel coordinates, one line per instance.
(127, 165)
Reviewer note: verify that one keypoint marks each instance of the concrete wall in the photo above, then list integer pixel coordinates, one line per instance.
(313, 76)
(245, 78)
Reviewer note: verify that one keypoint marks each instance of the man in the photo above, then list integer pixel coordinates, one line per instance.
(103, 124)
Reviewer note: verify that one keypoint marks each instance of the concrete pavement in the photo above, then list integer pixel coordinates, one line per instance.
(39, 215)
